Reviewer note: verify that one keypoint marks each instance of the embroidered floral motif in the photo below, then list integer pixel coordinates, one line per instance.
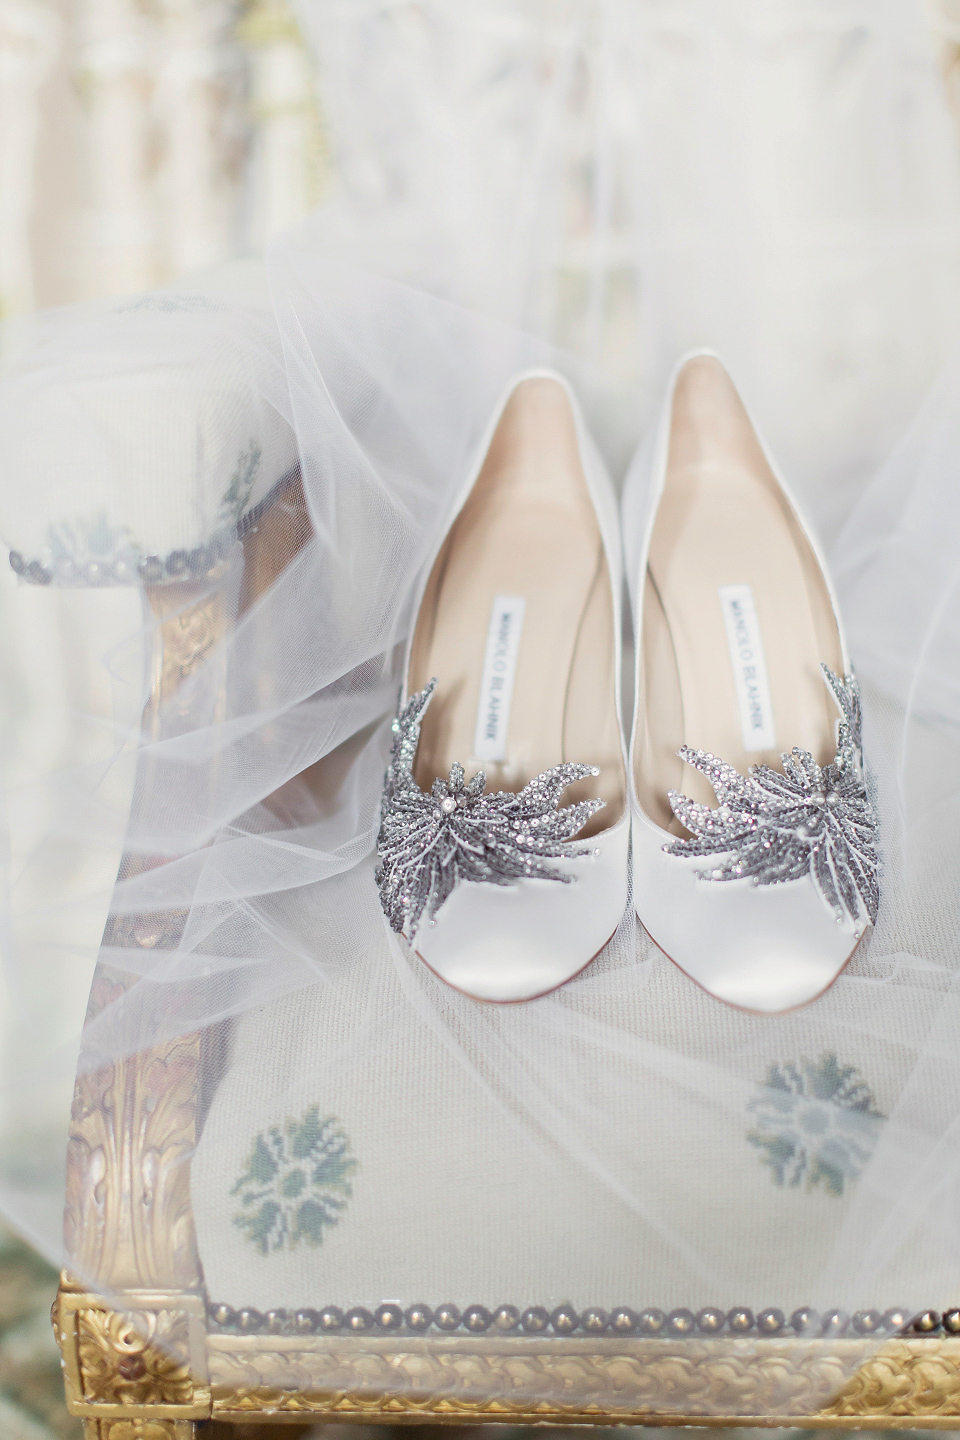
(296, 1184)
(237, 494)
(168, 304)
(815, 1124)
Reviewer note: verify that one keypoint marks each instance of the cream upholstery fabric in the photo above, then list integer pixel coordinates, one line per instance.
(467, 1189)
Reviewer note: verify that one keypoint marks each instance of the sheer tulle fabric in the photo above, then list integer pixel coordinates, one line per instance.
(245, 801)
(634, 179)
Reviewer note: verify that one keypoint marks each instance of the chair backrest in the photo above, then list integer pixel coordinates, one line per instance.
(136, 442)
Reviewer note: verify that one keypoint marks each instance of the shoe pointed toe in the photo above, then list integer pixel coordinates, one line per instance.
(771, 968)
(766, 949)
(517, 642)
(755, 851)
(521, 941)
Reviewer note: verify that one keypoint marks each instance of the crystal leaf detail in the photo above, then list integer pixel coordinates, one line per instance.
(772, 827)
(428, 843)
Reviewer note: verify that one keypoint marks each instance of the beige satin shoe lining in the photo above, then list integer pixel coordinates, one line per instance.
(528, 529)
(723, 520)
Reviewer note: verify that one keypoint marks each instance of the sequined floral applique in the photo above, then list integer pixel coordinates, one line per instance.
(429, 842)
(773, 827)
(815, 1124)
(297, 1183)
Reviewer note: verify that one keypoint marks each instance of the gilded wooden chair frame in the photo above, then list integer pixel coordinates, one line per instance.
(142, 1362)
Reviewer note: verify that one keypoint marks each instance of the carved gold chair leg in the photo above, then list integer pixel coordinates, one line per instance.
(130, 1316)
(139, 1358)
(139, 1430)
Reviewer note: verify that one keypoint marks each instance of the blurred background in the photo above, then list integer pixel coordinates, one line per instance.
(141, 140)
(144, 139)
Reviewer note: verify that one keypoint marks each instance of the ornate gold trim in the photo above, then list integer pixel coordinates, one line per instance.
(816, 1384)
(130, 1429)
(844, 1383)
(144, 1362)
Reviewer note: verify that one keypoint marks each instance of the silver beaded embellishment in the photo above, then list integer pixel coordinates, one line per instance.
(428, 843)
(774, 827)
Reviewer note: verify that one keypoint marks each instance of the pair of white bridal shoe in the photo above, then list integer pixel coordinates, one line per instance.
(755, 871)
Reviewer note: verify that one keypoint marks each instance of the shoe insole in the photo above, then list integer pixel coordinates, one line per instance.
(737, 615)
(525, 546)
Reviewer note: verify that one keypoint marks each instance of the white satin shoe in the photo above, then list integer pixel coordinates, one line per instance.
(513, 677)
(755, 871)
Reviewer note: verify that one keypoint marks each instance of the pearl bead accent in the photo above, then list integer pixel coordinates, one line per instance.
(419, 1317)
(446, 1317)
(805, 1321)
(476, 1319)
(770, 1322)
(565, 1320)
(535, 1320)
(867, 1322)
(389, 1317)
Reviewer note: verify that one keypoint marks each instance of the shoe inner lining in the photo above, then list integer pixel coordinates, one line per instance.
(528, 531)
(724, 521)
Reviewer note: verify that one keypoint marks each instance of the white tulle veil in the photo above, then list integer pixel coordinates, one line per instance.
(590, 187)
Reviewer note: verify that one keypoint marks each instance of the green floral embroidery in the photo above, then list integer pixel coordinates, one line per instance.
(815, 1124)
(167, 303)
(238, 492)
(296, 1183)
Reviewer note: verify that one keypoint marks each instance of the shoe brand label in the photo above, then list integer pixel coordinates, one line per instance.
(499, 668)
(749, 667)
